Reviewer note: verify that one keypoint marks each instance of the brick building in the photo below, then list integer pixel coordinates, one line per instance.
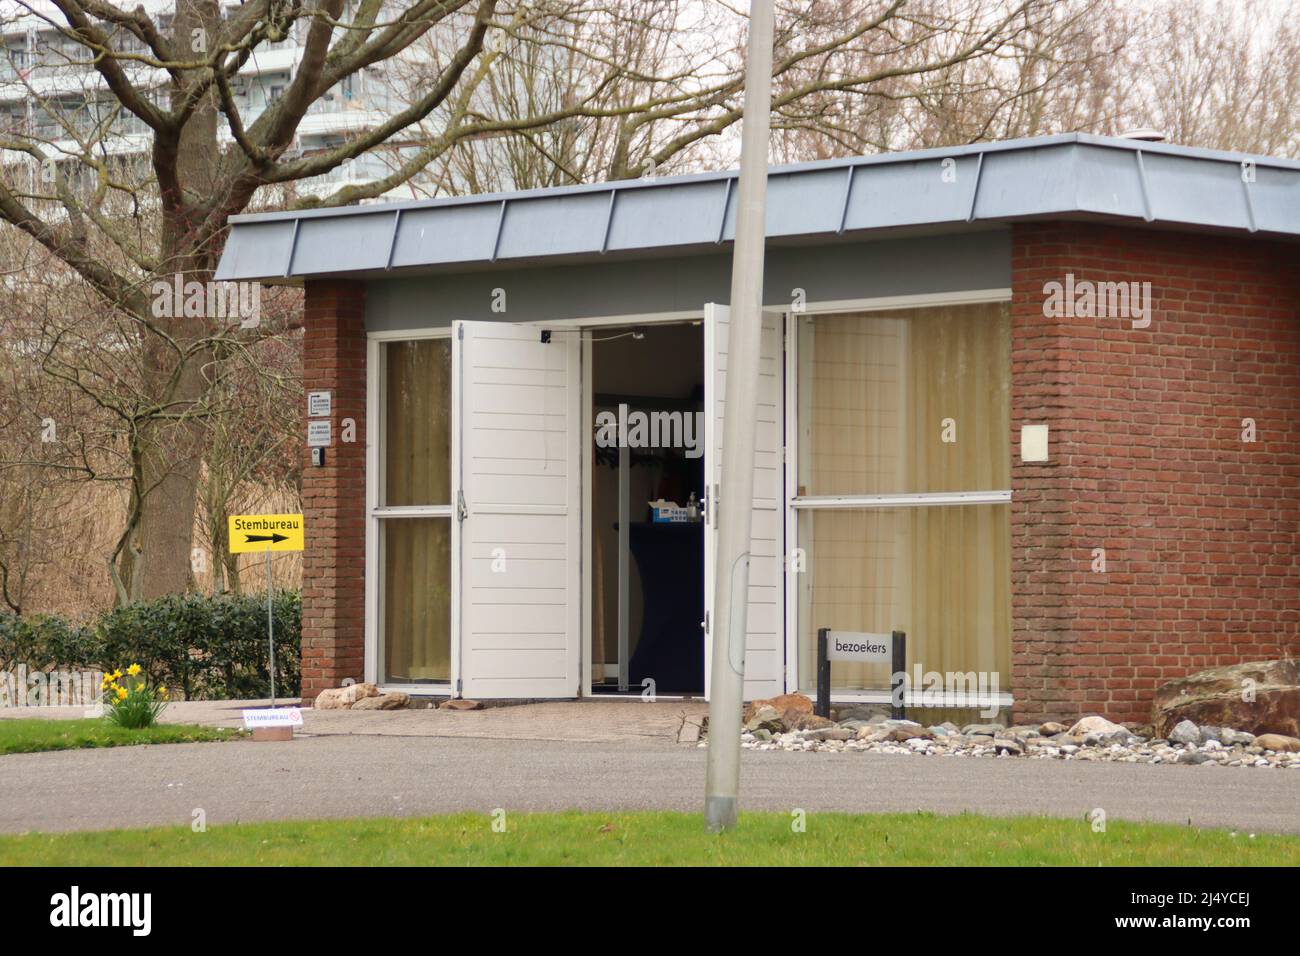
(1034, 403)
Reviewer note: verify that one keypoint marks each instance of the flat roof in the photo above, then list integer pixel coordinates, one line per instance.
(1067, 176)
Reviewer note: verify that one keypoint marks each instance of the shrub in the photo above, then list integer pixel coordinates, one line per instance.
(203, 647)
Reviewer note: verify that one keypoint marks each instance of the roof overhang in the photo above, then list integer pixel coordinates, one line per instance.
(1072, 176)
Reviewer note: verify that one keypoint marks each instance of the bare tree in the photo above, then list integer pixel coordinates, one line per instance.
(612, 89)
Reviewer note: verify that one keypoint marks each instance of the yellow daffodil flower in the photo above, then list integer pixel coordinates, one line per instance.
(133, 670)
(121, 693)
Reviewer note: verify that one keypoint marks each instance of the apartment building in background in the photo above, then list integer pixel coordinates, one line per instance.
(51, 92)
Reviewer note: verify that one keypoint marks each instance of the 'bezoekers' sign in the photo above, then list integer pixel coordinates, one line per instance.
(860, 648)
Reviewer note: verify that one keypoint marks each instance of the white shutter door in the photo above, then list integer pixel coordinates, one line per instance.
(518, 521)
(764, 643)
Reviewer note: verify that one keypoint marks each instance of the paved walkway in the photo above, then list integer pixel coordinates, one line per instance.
(591, 720)
(345, 775)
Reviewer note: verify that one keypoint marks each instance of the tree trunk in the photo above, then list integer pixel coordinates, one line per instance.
(176, 369)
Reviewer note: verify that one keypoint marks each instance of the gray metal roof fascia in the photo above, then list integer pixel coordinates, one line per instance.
(1067, 174)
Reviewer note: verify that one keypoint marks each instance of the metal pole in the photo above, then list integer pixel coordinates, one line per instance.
(624, 539)
(823, 673)
(735, 511)
(898, 683)
(270, 623)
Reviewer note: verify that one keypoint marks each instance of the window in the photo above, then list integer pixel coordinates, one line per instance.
(414, 513)
(903, 472)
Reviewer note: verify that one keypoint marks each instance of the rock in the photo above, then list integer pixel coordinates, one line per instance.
(1214, 697)
(781, 703)
(1193, 757)
(1023, 733)
(864, 712)
(1278, 742)
(767, 718)
(460, 703)
(1008, 745)
(1235, 737)
(763, 735)
(901, 730)
(798, 720)
(394, 701)
(892, 723)
(1051, 728)
(1138, 730)
(1185, 732)
(1093, 725)
(342, 698)
(986, 730)
(830, 733)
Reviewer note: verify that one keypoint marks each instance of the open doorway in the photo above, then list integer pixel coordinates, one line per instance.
(647, 527)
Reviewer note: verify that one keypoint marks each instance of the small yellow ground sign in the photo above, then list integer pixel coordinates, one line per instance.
(265, 533)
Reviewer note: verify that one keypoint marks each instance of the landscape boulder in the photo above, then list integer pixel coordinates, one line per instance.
(1185, 732)
(801, 720)
(781, 704)
(1262, 697)
(765, 718)
(1093, 724)
(1278, 742)
(394, 701)
(460, 703)
(343, 698)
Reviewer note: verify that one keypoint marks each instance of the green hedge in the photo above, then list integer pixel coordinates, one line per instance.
(205, 648)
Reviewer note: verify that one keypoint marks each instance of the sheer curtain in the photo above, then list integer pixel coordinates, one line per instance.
(415, 550)
(907, 402)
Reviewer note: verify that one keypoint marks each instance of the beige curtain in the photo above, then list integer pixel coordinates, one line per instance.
(417, 412)
(887, 390)
(417, 599)
(415, 573)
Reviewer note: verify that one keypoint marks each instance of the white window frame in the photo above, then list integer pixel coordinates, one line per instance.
(796, 503)
(375, 514)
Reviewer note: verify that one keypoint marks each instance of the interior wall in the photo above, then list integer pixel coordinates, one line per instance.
(668, 363)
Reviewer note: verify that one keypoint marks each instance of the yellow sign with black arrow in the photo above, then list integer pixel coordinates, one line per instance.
(256, 533)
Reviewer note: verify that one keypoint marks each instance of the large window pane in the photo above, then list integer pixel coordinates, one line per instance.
(905, 402)
(417, 423)
(941, 574)
(415, 591)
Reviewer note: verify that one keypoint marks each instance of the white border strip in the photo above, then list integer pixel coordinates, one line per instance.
(921, 500)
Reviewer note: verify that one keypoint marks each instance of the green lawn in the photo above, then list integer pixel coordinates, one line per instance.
(651, 839)
(35, 735)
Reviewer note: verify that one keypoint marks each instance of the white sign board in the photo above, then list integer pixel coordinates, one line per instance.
(318, 434)
(318, 404)
(860, 648)
(279, 717)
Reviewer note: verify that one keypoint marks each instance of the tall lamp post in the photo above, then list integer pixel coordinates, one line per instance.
(735, 512)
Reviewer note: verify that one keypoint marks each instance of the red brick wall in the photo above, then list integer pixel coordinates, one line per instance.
(334, 496)
(1201, 529)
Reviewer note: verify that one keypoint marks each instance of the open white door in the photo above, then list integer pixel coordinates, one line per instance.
(516, 541)
(764, 646)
